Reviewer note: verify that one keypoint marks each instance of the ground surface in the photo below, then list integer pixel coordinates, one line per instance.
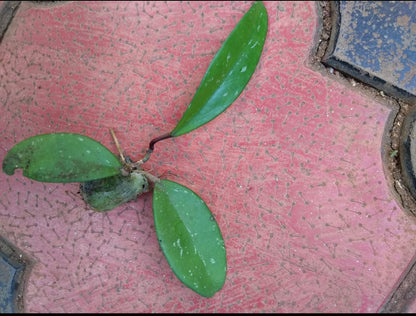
(293, 170)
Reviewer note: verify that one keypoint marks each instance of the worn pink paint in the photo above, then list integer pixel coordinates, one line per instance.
(292, 170)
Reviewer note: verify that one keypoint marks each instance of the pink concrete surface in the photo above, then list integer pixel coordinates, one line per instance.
(292, 170)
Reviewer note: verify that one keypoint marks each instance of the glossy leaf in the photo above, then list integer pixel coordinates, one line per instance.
(229, 71)
(189, 237)
(61, 157)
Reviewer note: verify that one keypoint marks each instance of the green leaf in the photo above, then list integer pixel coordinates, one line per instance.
(61, 157)
(189, 237)
(229, 71)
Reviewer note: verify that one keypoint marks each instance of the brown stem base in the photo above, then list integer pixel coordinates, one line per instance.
(150, 149)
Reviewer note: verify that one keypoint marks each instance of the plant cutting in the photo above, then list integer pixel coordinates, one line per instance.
(187, 232)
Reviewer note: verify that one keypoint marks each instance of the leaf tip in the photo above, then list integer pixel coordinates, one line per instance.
(10, 164)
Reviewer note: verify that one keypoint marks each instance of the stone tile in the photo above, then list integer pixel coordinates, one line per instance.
(292, 170)
(14, 266)
(7, 12)
(373, 41)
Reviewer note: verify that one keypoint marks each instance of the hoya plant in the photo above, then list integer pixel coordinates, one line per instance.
(187, 232)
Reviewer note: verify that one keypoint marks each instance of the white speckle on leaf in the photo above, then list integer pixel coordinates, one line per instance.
(244, 69)
(178, 243)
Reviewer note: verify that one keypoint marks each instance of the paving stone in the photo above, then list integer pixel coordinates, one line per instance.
(374, 41)
(407, 151)
(292, 170)
(7, 273)
(13, 268)
(7, 11)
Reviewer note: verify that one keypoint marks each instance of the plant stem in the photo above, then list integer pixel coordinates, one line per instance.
(149, 176)
(118, 146)
(150, 149)
(155, 140)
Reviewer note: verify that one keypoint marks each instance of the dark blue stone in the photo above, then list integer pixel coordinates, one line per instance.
(375, 42)
(7, 286)
(12, 278)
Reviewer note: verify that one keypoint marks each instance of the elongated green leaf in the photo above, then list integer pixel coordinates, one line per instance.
(189, 237)
(229, 71)
(61, 157)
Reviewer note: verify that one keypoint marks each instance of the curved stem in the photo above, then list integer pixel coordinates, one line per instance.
(155, 140)
(118, 146)
(150, 149)
(149, 176)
